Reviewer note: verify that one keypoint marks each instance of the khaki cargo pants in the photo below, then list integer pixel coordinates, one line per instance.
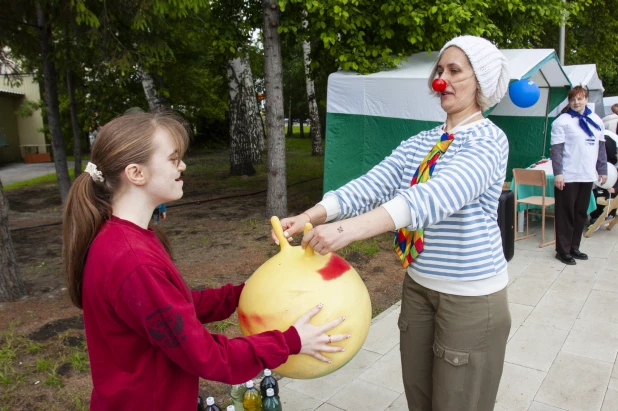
(452, 348)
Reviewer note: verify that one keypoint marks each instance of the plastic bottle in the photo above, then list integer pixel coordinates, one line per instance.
(272, 402)
(237, 394)
(252, 401)
(230, 408)
(268, 382)
(200, 403)
(210, 405)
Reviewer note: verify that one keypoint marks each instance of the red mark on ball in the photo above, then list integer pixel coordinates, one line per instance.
(334, 268)
(438, 85)
(250, 322)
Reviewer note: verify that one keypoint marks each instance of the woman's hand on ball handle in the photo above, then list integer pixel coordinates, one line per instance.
(559, 181)
(314, 338)
(291, 226)
(328, 238)
(316, 215)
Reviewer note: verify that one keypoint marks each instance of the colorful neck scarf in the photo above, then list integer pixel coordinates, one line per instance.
(584, 120)
(409, 244)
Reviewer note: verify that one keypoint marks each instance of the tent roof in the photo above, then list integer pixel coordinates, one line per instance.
(585, 75)
(384, 94)
(523, 63)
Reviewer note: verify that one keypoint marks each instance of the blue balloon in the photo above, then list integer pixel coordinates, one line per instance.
(524, 93)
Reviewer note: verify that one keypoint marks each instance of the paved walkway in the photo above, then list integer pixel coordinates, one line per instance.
(16, 172)
(561, 353)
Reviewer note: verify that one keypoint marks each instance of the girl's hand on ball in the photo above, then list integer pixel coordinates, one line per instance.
(314, 339)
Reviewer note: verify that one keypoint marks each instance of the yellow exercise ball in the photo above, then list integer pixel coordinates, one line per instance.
(293, 282)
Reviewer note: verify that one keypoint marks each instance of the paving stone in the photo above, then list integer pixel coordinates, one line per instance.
(594, 339)
(327, 386)
(535, 346)
(386, 372)
(361, 395)
(519, 313)
(601, 305)
(518, 387)
(575, 383)
(557, 310)
(297, 401)
(383, 335)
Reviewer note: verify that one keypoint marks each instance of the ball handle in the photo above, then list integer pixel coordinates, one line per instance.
(283, 242)
(308, 250)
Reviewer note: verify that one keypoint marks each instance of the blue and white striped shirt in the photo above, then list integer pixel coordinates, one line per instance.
(457, 206)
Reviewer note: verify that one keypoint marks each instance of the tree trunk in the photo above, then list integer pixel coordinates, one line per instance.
(302, 127)
(12, 286)
(252, 119)
(276, 197)
(155, 103)
(77, 150)
(290, 121)
(242, 145)
(51, 104)
(314, 116)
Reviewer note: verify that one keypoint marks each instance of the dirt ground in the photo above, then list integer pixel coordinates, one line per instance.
(43, 357)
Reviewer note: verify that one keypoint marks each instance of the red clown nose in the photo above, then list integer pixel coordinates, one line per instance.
(438, 85)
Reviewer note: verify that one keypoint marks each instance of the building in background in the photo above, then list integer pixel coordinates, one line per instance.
(21, 137)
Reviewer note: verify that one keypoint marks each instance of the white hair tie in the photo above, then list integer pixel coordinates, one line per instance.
(96, 175)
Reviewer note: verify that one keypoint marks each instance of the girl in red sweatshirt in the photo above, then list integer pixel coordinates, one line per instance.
(146, 342)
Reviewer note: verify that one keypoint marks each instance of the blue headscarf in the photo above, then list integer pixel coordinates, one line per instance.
(584, 120)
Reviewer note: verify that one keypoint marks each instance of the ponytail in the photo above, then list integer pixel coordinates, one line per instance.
(87, 207)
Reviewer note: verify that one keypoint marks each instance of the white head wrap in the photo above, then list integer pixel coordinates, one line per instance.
(490, 66)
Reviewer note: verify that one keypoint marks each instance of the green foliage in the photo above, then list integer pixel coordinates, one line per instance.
(367, 36)
(28, 107)
(83, 15)
(591, 39)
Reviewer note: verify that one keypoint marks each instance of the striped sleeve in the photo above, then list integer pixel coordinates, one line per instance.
(471, 172)
(374, 188)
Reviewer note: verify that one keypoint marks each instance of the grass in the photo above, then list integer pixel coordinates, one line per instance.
(79, 361)
(53, 379)
(211, 169)
(220, 326)
(24, 362)
(296, 131)
(368, 248)
(47, 178)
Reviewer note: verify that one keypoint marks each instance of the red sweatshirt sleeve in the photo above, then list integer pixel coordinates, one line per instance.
(216, 304)
(156, 309)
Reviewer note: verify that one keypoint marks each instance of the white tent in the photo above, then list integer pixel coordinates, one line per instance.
(608, 102)
(369, 115)
(585, 75)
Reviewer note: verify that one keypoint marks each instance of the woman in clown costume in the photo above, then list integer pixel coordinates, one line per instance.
(439, 190)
